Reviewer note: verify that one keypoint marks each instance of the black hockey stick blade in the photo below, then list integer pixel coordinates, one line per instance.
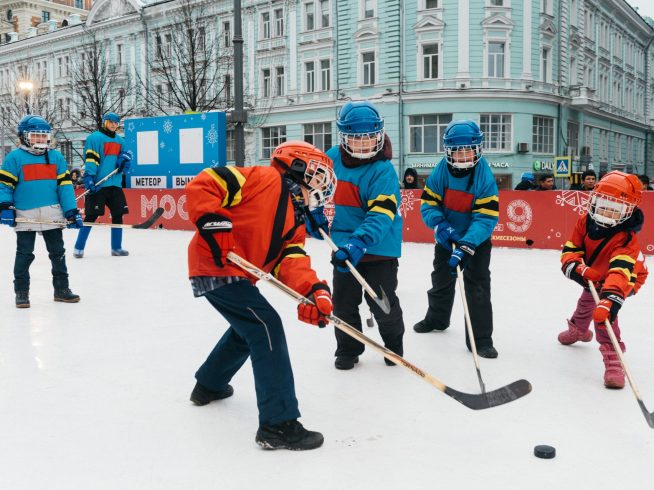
(151, 220)
(648, 416)
(383, 303)
(490, 399)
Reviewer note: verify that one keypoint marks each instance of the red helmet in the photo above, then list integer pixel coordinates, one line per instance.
(307, 165)
(614, 198)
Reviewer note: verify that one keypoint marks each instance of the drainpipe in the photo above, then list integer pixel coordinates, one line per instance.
(400, 88)
(147, 59)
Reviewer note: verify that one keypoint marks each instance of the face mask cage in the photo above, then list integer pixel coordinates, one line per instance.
(40, 146)
(320, 180)
(362, 145)
(609, 211)
(462, 156)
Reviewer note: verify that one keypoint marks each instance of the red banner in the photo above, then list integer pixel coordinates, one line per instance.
(527, 218)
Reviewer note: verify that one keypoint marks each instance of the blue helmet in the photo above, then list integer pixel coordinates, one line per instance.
(528, 176)
(33, 124)
(110, 116)
(360, 129)
(460, 136)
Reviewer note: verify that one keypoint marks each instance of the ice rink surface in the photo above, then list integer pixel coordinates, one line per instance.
(95, 395)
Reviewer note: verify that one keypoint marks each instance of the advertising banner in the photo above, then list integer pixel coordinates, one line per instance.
(170, 150)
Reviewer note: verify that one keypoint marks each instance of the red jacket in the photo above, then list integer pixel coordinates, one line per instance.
(263, 219)
(621, 261)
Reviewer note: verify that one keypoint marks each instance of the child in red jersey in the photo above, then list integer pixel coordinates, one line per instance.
(604, 249)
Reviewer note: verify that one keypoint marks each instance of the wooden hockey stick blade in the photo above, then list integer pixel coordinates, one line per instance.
(151, 220)
(490, 399)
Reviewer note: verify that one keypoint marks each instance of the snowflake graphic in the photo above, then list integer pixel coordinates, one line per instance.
(162, 145)
(407, 203)
(212, 135)
(577, 199)
(203, 116)
(168, 126)
(130, 127)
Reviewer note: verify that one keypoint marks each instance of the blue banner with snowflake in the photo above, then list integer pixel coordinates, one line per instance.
(170, 150)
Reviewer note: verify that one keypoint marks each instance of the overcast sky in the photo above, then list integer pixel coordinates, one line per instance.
(645, 7)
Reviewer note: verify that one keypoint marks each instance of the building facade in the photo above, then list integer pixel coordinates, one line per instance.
(544, 78)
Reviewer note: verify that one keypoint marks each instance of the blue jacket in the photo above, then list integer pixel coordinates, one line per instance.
(29, 181)
(366, 206)
(472, 208)
(100, 154)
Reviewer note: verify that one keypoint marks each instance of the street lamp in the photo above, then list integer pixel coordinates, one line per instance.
(26, 87)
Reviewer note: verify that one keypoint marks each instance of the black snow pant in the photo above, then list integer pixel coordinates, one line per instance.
(476, 279)
(347, 298)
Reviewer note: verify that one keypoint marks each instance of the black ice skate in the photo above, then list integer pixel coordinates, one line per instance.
(345, 362)
(288, 435)
(202, 396)
(22, 299)
(65, 296)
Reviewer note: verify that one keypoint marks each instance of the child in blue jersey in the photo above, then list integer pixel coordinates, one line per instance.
(104, 152)
(367, 228)
(35, 184)
(460, 203)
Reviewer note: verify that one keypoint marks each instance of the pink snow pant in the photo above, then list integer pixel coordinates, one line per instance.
(583, 315)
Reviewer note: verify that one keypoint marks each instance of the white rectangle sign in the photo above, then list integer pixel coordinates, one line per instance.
(149, 182)
(147, 147)
(191, 145)
(180, 181)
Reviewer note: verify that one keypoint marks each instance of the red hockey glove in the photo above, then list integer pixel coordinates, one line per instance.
(316, 314)
(216, 230)
(608, 307)
(581, 273)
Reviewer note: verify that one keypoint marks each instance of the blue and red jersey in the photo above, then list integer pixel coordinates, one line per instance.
(100, 153)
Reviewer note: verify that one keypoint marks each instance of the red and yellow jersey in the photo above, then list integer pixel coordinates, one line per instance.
(263, 218)
(620, 260)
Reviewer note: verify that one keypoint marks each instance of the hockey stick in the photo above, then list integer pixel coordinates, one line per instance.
(616, 347)
(382, 302)
(493, 398)
(112, 173)
(140, 226)
(471, 335)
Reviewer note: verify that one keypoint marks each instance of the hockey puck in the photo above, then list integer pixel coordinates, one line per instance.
(544, 452)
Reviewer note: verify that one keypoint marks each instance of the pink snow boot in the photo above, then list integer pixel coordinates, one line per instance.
(613, 373)
(573, 334)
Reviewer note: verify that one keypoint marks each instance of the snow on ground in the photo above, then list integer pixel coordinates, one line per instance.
(95, 395)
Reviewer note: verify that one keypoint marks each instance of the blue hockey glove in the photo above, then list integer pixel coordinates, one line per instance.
(124, 161)
(7, 214)
(74, 219)
(89, 183)
(446, 234)
(353, 250)
(315, 220)
(460, 257)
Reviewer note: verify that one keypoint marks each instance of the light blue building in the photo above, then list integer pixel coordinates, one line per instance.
(544, 78)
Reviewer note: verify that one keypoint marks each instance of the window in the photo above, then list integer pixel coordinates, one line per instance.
(545, 65)
(547, 7)
(573, 139)
(271, 138)
(497, 130)
(325, 75)
(426, 132)
(227, 35)
(369, 9)
(496, 60)
(79, 4)
(431, 4)
(279, 22)
(231, 145)
(310, 72)
(497, 3)
(324, 13)
(168, 42)
(265, 82)
(45, 16)
(265, 25)
(309, 16)
(429, 61)
(60, 67)
(573, 12)
(368, 62)
(119, 54)
(543, 134)
(617, 147)
(121, 100)
(280, 83)
(160, 95)
(573, 71)
(319, 135)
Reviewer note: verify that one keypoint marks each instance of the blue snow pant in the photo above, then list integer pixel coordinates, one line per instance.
(255, 331)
